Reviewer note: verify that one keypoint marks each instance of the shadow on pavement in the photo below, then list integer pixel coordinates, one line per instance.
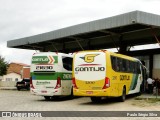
(109, 100)
(58, 99)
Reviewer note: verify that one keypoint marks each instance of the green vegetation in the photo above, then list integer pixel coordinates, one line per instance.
(148, 99)
(3, 66)
(144, 102)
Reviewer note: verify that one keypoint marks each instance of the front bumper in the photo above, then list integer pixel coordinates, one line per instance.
(102, 93)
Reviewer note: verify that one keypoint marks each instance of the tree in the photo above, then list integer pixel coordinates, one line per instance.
(3, 66)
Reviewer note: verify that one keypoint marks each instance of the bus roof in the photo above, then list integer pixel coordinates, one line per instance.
(111, 53)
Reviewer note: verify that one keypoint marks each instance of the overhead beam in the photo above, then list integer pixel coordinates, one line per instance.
(144, 52)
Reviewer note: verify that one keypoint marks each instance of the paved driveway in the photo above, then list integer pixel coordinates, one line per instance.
(13, 100)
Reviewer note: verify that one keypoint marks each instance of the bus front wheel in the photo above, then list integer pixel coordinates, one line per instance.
(123, 97)
(96, 99)
(71, 95)
(47, 97)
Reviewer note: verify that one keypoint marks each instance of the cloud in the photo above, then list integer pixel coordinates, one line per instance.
(22, 18)
(14, 55)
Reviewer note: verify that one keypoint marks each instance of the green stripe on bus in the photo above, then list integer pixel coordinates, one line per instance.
(134, 81)
(51, 76)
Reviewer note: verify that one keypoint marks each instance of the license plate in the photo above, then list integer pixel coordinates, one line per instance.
(43, 91)
(89, 92)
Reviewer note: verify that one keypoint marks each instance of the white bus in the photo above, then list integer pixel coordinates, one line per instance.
(51, 74)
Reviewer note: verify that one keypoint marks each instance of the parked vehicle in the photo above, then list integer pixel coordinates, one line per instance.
(51, 74)
(24, 84)
(102, 73)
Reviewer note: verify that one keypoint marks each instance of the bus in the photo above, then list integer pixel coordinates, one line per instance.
(100, 73)
(51, 74)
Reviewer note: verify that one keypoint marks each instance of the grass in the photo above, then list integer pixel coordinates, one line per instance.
(144, 102)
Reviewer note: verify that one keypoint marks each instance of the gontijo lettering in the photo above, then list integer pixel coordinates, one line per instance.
(124, 77)
(45, 59)
(90, 69)
(40, 59)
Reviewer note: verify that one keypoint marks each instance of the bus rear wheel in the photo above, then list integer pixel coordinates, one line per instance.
(55, 97)
(123, 97)
(96, 99)
(47, 97)
(71, 95)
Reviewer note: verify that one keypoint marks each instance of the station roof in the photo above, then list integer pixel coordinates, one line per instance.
(133, 28)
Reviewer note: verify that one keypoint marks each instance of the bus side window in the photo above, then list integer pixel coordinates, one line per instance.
(67, 63)
(113, 62)
(118, 64)
(132, 67)
(124, 65)
(138, 68)
(127, 66)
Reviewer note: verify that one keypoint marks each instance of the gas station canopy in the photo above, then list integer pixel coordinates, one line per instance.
(125, 30)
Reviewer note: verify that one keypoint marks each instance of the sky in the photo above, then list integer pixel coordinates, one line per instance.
(22, 18)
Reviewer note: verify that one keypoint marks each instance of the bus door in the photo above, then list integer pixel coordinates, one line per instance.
(66, 74)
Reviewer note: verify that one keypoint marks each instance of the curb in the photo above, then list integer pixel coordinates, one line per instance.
(8, 88)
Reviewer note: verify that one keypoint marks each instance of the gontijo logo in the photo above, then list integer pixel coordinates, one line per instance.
(89, 58)
(45, 59)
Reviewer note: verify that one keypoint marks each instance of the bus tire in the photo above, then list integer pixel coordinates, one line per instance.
(47, 97)
(123, 97)
(71, 95)
(18, 89)
(55, 97)
(96, 99)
